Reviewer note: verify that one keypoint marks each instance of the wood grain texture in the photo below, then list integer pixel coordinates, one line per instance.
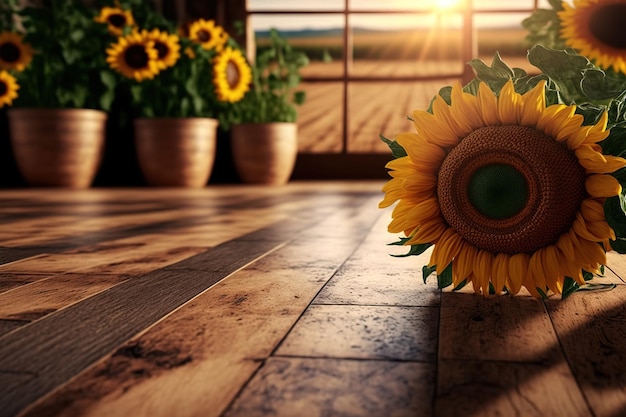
(275, 301)
(496, 328)
(222, 335)
(467, 388)
(287, 387)
(590, 326)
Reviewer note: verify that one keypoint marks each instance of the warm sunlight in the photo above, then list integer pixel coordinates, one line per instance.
(447, 4)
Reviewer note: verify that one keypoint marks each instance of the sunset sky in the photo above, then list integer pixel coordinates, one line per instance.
(437, 13)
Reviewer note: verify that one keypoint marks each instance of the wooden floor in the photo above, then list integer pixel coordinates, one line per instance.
(242, 301)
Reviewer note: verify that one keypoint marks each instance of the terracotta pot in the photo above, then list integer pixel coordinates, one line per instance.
(176, 152)
(265, 153)
(58, 147)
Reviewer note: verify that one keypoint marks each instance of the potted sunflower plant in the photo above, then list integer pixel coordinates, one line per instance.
(264, 135)
(516, 181)
(61, 88)
(180, 81)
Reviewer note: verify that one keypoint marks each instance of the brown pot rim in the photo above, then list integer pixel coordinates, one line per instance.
(143, 121)
(264, 124)
(47, 112)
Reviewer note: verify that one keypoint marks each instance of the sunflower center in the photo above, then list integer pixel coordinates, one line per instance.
(498, 191)
(232, 74)
(162, 49)
(9, 52)
(136, 56)
(607, 24)
(510, 189)
(203, 36)
(117, 20)
(4, 88)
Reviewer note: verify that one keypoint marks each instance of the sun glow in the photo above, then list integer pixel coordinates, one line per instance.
(447, 4)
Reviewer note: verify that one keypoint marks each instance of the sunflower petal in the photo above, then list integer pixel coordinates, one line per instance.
(602, 185)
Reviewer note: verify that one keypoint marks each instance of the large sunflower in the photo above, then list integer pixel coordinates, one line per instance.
(208, 34)
(8, 89)
(231, 75)
(596, 30)
(508, 190)
(167, 46)
(14, 53)
(134, 56)
(115, 19)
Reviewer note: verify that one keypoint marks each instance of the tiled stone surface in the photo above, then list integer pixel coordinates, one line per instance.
(379, 286)
(290, 387)
(496, 328)
(367, 332)
(483, 388)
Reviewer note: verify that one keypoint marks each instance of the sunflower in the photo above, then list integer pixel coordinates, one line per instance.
(508, 190)
(14, 53)
(167, 46)
(115, 19)
(208, 34)
(134, 56)
(595, 29)
(8, 89)
(231, 75)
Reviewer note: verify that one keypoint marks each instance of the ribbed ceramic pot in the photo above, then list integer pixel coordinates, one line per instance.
(265, 153)
(58, 147)
(176, 152)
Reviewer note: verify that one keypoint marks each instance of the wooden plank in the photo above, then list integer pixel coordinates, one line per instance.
(33, 301)
(223, 334)
(65, 343)
(364, 332)
(469, 388)
(106, 228)
(287, 387)
(9, 281)
(7, 326)
(372, 277)
(616, 263)
(590, 326)
(496, 328)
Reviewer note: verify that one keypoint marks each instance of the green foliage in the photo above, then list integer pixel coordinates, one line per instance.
(183, 90)
(543, 27)
(397, 151)
(275, 76)
(570, 79)
(68, 69)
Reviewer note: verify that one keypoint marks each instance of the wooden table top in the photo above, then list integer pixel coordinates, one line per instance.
(248, 301)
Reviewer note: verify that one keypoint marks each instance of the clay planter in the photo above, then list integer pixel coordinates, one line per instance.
(265, 153)
(57, 147)
(176, 152)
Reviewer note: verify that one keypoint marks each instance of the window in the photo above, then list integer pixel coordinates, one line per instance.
(374, 62)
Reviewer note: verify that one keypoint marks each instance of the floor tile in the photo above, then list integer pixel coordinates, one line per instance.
(290, 387)
(368, 332)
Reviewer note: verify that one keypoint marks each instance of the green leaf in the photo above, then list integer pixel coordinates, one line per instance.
(542, 293)
(496, 75)
(397, 151)
(615, 143)
(445, 278)
(597, 86)
(565, 67)
(427, 271)
(597, 287)
(108, 79)
(615, 216)
(460, 286)
(415, 250)
(569, 287)
(299, 97)
(106, 100)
